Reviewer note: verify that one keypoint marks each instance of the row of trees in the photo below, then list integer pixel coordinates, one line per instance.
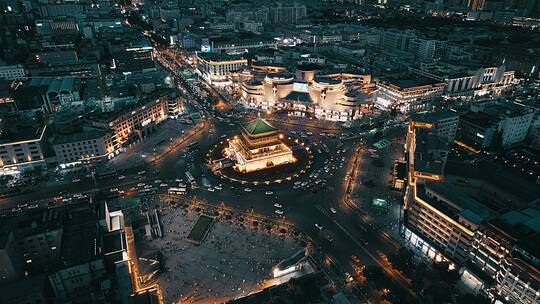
(433, 283)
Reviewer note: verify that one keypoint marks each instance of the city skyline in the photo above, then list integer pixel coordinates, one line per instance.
(295, 152)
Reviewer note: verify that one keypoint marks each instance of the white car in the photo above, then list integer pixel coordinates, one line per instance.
(269, 192)
(219, 187)
(333, 210)
(318, 226)
(211, 189)
(277, 205)
(247, 190)
(121, 177)
(279, 212)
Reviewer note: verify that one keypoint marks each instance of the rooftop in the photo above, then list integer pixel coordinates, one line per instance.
(81, 136)
(257, 127)
(410, 81)
(430, 152)
(219, 56)
(298, 96)
(479, 119)
(467, 200)
(430, 117)
(79, 237)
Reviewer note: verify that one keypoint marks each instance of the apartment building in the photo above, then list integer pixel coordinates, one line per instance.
(87, 146)
(216, 68)
(22, 149)
(494, 123)
(457, 213)
(443, 124)
(138, 120)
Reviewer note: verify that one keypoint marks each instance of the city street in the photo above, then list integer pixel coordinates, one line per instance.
(351, 230)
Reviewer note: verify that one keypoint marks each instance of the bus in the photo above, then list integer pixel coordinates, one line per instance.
(106, 174)
(147, 191)
(178, 191)
(191, 180)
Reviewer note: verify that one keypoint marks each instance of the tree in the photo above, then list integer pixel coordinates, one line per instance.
(438, 293)
(473, 299)
(403, 260)
(375, 275)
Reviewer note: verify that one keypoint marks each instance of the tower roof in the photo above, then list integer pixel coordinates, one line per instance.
(258, 126)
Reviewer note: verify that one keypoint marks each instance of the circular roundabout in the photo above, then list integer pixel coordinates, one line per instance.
(225, 167)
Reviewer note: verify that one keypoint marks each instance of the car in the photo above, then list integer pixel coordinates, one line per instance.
(114, 189)
(157, 181)
(364, 242)
(277, 211)
(277, 205)
(218, 187)
(141, 172)
(333, 210)
(269, 192)
(355, 259)
(247, 190)
(121, 177)
(348, 277)
(76, 180)
(358, 269)
(318, 226)
(211, 189)
(329, 238)
(163, 185)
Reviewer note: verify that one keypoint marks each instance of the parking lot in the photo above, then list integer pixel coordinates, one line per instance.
(373, 185)
(234, 259)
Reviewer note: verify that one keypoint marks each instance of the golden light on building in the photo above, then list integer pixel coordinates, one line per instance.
(259, 147)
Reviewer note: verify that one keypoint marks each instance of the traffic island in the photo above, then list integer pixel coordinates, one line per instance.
(260, 154)
(224, 168)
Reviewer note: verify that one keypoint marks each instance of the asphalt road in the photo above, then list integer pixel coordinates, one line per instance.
(351, 234)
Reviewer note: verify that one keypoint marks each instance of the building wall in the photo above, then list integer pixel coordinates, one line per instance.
(23, 153)
(406, 100)
(88, 149)
(515, 284)
(76, 280)
(41, 250)
(218, 71)
(126, 124)
(447, 128)
(515, 129)
(450, 236)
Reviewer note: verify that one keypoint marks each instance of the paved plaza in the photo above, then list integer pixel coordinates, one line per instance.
(169, 134)
(231, 261)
